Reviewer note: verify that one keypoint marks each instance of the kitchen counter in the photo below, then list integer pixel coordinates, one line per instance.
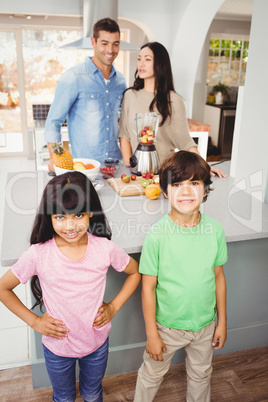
(245, 222)
(242, 216)
(197, 130)
(197, 126)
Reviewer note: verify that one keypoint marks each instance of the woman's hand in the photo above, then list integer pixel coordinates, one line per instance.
(106, 313)
(48, 326)
(217, 172)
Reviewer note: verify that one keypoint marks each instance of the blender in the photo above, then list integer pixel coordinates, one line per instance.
(145, 158)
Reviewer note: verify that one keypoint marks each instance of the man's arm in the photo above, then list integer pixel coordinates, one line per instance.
(220, 334)
(154, 344)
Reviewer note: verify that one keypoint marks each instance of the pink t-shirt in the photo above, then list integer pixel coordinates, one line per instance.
(73, 290)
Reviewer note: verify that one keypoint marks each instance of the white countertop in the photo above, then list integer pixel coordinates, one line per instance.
(243, 217)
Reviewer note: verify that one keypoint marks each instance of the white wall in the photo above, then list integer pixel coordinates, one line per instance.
(252, 149)
(60, 7)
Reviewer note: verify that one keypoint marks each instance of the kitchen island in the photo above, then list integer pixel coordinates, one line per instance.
(244, 219)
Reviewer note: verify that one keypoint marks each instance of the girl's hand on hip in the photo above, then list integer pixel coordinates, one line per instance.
(106, 313)
(49, 326)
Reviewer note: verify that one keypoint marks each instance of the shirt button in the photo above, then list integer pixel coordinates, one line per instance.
(107, 103)
(107, 128)
(107, 142)
(107, 91)
(107, 117)
(106, 153)
(92, 96)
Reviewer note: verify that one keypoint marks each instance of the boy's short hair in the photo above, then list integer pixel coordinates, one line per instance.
(105, 24)
(184, 165)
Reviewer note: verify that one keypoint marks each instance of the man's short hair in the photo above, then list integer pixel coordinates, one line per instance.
(184, 165)
(105, 24)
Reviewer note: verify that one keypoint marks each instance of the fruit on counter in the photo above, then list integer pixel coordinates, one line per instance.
(152, 191)
(122, 176)
(143, 175)
(79, 166)
(126, 179)
(61, 157)
(133, 177)
(89, 166)
(107, 171)
(146, 182)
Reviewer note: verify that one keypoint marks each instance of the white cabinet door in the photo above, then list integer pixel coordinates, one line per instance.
(212, 116)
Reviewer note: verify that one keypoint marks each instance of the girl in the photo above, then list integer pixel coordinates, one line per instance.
(68, 260)
(153, 90)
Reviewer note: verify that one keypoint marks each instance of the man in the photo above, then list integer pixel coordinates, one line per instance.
(89, 95)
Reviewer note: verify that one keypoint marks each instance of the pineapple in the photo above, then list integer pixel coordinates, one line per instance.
(61, 157)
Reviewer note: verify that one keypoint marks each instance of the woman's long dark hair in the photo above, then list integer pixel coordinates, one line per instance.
(163, 80)
(69, 193)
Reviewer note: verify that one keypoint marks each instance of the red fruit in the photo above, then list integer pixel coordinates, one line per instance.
(133, 177)
(148, 176)
(144, 175)
(146, 128)
(123, 175)
(152, 174)
(149, 142)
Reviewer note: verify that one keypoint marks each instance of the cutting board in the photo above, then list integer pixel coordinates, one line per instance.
(127, 189)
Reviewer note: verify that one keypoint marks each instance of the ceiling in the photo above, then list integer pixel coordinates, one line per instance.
(236, 9)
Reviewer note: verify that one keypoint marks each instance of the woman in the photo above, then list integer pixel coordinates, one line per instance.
(153, 90)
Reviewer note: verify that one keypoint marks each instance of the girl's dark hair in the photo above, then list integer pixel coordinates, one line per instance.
(70, 193)
(163, 80)
(184, 165)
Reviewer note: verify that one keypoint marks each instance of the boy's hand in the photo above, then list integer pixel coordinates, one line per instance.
(106, 313)
(219, 338)
(155, 347)
(48, 326)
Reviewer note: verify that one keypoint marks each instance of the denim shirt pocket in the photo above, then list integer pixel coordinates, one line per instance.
(90, 101)
(116, 102)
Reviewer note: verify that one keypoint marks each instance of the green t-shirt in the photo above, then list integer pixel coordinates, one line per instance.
(183, 260)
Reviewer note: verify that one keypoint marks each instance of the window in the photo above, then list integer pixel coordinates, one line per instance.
(31, 63)
(227, 60)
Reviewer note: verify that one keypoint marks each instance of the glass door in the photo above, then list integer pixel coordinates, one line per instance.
(11, 132)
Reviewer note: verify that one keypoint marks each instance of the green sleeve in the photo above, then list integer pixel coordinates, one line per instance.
(150, 256)
(221, 257)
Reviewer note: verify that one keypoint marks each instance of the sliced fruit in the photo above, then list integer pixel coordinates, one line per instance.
(79, 166)
(152, 191)
(126, 179)
(89, 166)
(122, 176)
(145, 183)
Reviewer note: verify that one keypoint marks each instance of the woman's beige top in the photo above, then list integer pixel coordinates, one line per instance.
(173, 134)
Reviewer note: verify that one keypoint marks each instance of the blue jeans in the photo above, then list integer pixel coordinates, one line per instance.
(61, 371)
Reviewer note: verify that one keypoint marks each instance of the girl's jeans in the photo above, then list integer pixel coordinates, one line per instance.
(61, 371)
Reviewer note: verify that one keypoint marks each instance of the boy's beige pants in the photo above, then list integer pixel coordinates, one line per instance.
(199, 351)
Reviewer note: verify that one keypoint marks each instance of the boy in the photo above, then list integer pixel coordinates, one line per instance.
(183, 284)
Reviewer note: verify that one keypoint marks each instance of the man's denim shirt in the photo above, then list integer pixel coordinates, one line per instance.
(92, 110)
